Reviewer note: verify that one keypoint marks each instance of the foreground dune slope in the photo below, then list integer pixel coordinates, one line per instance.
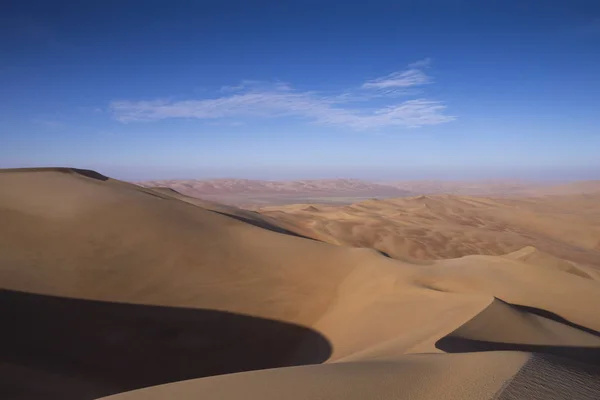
(497, 375)
(109, 287)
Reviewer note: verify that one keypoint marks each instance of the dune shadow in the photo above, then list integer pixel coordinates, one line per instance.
(449, 344)
(590, 355)
(383, 253)
(254, 222)
(90, 174)
(85, 172)
(62, 348)
(264, 225)
(555, 317)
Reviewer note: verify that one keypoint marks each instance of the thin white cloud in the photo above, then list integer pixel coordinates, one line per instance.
(413, 76)
(424, 63)
(252, 99)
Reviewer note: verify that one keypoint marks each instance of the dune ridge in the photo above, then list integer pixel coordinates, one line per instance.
(117, 266)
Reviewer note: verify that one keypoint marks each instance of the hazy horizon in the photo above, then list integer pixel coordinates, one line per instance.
(366, 174)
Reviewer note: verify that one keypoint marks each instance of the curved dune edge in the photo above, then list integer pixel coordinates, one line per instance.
(426, 376)
(75, 236)
(531, 255)
(497, 375)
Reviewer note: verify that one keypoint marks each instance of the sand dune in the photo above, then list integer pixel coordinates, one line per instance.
(497, 187)
(109, 287)
(259, 193)
(447, 226)
(250, 193)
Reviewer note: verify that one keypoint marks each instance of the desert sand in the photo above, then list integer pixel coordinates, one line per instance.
(562, 229)
(112, 289)
(254, 194)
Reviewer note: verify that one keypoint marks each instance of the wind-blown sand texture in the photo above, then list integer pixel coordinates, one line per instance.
(562, 229)
(109, 287)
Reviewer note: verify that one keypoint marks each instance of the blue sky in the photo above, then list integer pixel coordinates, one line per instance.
(305, 89)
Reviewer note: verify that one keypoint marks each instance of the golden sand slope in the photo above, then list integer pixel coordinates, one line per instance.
(109, 287)
(445, 226)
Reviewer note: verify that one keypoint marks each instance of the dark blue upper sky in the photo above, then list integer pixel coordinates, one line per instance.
(282, 89)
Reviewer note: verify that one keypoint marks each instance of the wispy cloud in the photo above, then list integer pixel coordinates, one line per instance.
(413, 76)
(253, 99)
(424, 63)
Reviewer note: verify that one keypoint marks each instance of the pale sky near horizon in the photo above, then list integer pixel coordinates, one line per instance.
(305, 89)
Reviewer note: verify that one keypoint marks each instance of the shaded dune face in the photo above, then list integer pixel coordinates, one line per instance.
(115, 347)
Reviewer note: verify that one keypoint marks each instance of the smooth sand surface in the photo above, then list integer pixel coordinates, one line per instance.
(108, 287)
